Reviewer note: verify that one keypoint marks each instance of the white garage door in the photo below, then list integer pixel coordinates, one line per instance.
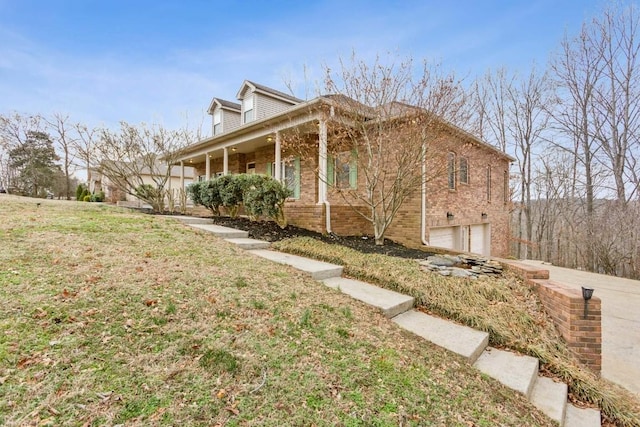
(442, 237)
(479, 239)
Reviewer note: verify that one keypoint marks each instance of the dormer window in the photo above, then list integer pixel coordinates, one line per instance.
(217, 123)
(247, 109)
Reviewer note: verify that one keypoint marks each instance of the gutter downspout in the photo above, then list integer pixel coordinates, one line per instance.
(323, 173)
(423, 199)
(327, 206)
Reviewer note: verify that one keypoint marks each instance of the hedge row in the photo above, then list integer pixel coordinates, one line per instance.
(260, 195)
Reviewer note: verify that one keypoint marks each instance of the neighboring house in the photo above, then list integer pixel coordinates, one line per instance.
(117, 193)
(465, 209)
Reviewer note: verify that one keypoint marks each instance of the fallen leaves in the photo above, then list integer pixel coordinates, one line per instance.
(92, 279)
(39, 313)
(66, 294)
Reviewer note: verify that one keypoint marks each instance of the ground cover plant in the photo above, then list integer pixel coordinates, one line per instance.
(504, 307)
(114, 317)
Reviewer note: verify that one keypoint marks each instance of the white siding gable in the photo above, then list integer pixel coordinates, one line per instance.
(230, 120)
(267, 106)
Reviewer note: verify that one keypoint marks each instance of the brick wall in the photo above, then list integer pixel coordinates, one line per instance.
(566, 307)
(310, 217)
(468, 201)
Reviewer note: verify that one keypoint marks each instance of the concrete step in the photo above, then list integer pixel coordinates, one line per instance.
(248, 244)
(220, 231)
(515, 371)
(550, 397)
(389, 302)
(578, 417)
(456, 338)
(317, 269)
(191, 219)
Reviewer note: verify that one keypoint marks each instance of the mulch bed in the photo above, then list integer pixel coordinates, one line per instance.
(271, 232)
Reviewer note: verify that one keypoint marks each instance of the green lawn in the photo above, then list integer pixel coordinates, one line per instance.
(504, 307)
(112, 317)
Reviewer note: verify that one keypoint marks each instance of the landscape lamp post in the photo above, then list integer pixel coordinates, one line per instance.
(587, 293)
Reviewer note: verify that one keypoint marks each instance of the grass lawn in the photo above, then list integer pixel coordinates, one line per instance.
(504, 307)
(112, 317)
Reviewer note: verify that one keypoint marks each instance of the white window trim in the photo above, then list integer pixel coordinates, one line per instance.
(248, 101)
(488, 184)
(466, 163)
(217, 120)
(451, 171)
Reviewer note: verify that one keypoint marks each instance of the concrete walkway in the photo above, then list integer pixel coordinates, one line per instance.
(620, 320)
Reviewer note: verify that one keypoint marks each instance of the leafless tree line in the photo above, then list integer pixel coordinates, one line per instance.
(574, 130)
(124, 157)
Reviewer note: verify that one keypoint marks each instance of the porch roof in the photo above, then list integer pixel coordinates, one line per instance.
(254, 134)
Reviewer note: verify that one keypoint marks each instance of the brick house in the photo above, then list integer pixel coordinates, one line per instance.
(465, 208)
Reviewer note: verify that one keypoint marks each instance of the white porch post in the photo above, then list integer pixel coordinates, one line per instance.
(207, 164)
(225, 161)
(322, 162)
(278, 172)
(181, 174)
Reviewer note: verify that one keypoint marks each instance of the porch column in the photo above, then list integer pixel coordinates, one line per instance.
(170, 176)
(181, 174)
(207, 166)
(322, 162)
(278, 172)
(225, 161)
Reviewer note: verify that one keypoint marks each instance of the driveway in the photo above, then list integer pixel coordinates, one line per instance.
(620, 320)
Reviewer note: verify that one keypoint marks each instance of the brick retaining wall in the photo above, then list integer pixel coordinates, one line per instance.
(565, 305)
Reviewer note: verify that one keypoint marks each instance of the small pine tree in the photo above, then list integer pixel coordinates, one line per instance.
(80, 189)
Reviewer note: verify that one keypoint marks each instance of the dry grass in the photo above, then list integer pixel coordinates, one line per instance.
(504, 307)
(111, 317)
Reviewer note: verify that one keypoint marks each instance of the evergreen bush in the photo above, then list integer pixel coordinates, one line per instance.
(266, 197)
(210, 195)
(231, 191)
(80, 192)
(193, 190)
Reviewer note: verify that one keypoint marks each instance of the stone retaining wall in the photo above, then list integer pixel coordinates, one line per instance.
(565, 305)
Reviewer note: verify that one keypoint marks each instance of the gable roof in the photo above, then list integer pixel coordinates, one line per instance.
(223, 103)
(255, 87)
(338, 101)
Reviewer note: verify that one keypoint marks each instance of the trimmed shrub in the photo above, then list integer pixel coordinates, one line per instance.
(231, 191)
(261, 196)
(97, 197)
(86, 198)
(193, 190)
(210, 196)
(264, 196)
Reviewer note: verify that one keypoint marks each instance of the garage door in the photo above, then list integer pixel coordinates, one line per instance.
(442, 237)
(479, 239)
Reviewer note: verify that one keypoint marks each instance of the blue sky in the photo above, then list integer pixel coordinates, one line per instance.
(102, 61)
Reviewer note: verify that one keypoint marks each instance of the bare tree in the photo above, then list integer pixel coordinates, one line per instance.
(615, 107)
(84, 146)
(388, 117)
(15, 130)
(527, 118)
(513, 111)
(577, 72)
(136, 159)
(64, 139)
